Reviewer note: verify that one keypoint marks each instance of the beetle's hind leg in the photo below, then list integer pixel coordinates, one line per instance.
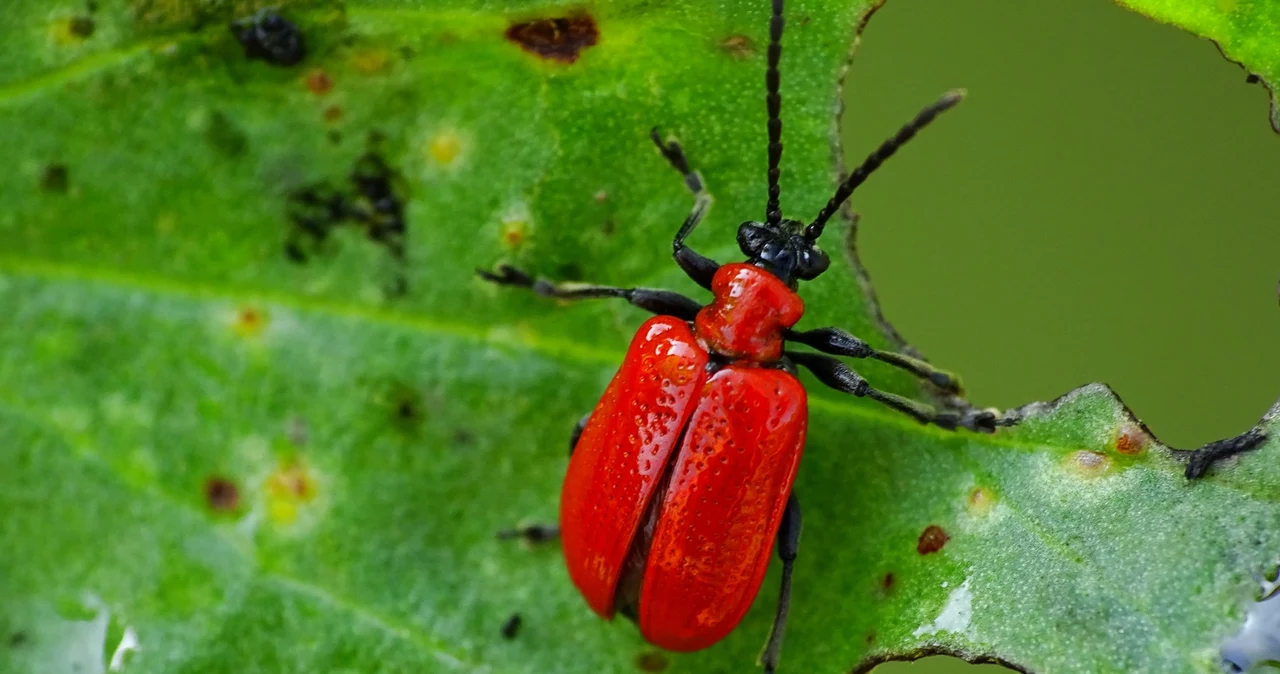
(660, 302)
(788, 546)
(698, 267)
(837, 342)
(841, 377)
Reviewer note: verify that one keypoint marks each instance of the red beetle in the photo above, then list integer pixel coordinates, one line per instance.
(680, 480)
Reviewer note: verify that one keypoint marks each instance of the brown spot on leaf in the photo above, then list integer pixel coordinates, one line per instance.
(54, 178)
(1131, 439)
(738, 46)
(221, 494)
(871, 638)
(651, 661)
(932, 539)
(887, 582)
(1089, 463)
(332, 114)
(559, 39)
(319, 82)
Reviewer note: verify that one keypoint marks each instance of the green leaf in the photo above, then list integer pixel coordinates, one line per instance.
(1247, 32)
(217, 455)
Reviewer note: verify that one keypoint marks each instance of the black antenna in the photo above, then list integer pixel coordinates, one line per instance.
(875, 159)
(772, 79)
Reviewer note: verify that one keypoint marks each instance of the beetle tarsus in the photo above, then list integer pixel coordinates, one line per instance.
(532, 533)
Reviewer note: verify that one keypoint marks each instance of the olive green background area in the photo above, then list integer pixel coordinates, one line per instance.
(1099, 209)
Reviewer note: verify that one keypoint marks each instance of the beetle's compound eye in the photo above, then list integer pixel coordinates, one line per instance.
(813, 261)
(752, 237)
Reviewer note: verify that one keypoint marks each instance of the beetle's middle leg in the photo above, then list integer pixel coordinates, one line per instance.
(660, 302)
(788, 546)
(841, 377)
(541, 533)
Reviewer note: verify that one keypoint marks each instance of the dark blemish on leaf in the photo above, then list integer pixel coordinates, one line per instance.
(1252, 78)
(651, 661)
(511, 627)
(887, 582)
(1131, 439)
(1200, 460)
(931, 540)
(871, 638)
(608, 227)
(805, 21)
(559, 39)
(738, 46)
(407, 52)
(319, 82)
(406, 405)
(221, 494)
(464, 438)
(224, 136)
(375, 205)
(332, 114)
(81, 27)
(17, 639)
(270, 37)
(54, 178)
(335, 137)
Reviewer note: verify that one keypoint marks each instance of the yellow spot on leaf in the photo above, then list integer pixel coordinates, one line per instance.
(445, 147)
(980, 501)
(249, 322)
(289, 489)
(515, 232)
(371, 61)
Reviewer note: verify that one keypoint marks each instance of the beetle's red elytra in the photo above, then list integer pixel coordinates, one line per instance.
(680, 481)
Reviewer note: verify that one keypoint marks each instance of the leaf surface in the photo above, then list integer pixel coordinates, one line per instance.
(220, 452)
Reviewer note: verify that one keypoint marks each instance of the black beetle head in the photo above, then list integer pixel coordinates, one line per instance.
(783, 250)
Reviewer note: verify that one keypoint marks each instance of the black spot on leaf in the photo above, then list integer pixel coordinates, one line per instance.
(54, 178)
(269, 37)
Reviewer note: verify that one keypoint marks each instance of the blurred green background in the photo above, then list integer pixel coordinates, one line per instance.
(1099, 209)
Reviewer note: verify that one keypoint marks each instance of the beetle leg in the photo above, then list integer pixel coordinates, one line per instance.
(837, 342)
(788, 546)
(841, 377)
(533, 533)
(699, 267)
(577, 432)
(661, 302)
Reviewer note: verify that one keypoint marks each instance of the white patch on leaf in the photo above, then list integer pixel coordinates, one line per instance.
(955, 615)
